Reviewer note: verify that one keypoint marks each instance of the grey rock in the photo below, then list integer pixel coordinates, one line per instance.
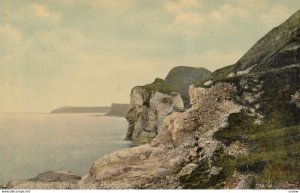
(148, 108)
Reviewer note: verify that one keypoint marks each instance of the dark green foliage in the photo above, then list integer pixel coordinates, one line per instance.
(200, 178)
(240, 126)
(278, 87)
(226, 162)
(160, 85)
(274, 146)
(274, 156)
(222, 73)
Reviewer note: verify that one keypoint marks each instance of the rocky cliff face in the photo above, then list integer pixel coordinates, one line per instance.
(242, 130)
(148, 108)
(150, 104)
(184, 145)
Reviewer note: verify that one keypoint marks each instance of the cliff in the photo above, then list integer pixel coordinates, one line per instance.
(118, 110)
(241, 131)
(184, 144)
(182, 77)
(149, 105)
(81, 110)
(278, 48)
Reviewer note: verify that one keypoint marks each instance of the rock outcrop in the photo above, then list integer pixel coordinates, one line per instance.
(148, 108)
(150, 104)
(183, 145)
(241, 131)
(48, 180)
(182, 77)
(296, 99)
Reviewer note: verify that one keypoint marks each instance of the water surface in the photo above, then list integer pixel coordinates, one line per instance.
(35, 143)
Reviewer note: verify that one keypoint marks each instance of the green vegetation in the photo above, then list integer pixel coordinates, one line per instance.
(201, 177)
(270, 125)
(222, 72)
(200, 83)
(274, 156)
(160, 85)
(182, 77)
(270, 52)
(198, 178)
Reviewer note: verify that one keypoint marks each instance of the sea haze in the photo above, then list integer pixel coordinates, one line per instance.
(36, 143)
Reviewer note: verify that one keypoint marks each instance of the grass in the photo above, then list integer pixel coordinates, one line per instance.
(274, 151)
(201, 178)
(160, 85)
(274, 146)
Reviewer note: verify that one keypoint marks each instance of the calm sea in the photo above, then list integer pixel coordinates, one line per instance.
(36, 143)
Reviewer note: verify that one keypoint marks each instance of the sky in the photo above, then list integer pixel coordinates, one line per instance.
(57, 53)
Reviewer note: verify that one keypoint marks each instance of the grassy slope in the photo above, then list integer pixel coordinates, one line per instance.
(274, 146)
(271, 51)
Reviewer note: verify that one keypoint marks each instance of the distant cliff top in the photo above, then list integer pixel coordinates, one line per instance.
(182, 76)
(160, 85)
(81, 110)
(118, 110)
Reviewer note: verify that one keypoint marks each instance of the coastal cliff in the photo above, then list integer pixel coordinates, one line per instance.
(184, 143)
(241, 130)
(149, 105)
(81, 110)
(118, 110)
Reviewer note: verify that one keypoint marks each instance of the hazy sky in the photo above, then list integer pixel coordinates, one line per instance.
(92, 52)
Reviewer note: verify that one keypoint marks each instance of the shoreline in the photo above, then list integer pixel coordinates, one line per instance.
(100, 140)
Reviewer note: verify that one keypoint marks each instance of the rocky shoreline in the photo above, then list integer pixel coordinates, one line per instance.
(239, 129)
(183, 144)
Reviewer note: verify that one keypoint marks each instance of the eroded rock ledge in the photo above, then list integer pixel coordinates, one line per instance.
(184, 145)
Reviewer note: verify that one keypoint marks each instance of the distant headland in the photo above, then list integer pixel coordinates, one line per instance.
(115, 109)
(71, 109)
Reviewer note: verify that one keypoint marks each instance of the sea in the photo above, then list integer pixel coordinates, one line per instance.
(35, 143)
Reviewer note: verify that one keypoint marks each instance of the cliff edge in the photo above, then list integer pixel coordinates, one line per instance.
(149, 105)
(241, 131)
